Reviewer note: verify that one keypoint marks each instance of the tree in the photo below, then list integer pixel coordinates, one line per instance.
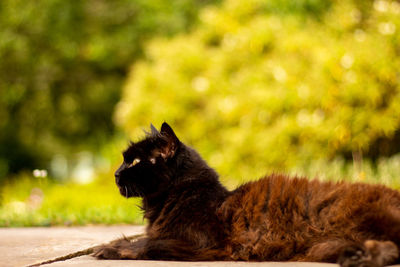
(62, 66)
(272, 84)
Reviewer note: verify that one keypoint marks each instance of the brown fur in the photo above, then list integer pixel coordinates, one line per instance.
(193, 217)
(280, 218)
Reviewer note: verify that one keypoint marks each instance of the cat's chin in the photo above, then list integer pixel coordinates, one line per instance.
(123, 190)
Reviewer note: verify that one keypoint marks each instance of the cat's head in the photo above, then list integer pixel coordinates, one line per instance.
(149, 164)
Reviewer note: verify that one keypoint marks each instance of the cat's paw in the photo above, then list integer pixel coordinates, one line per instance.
(372, 253)
(114, 253)
(356, 256)
(107, 252)
(383, 252)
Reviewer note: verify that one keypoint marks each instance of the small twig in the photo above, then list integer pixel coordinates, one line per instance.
(78, 253)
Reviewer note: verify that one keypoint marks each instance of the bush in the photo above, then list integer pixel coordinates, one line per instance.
(62, 66)
(258, 90)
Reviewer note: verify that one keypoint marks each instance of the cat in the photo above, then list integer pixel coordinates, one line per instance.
(193, 217)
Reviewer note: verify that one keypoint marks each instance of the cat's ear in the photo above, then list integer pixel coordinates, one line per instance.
(154, 131)
(172, 141)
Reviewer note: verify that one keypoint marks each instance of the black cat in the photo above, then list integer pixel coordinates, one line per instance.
(192, 217)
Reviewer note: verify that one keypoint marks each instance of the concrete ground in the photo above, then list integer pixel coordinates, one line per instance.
(26, 246)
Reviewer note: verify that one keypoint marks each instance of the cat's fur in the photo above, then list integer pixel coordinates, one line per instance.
(192, 217)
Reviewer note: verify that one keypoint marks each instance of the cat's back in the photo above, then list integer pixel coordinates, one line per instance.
(298, 204)
(279, 218)
(275, 196)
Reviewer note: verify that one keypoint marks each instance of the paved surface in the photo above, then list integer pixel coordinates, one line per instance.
(25, 246)
(87, 261)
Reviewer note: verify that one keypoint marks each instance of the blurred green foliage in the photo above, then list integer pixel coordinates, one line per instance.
(268, 85)
(255, 86)
(41, 202)
(62, 65)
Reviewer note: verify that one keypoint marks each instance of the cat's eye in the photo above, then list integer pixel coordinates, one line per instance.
(152, 160)
(134, 162)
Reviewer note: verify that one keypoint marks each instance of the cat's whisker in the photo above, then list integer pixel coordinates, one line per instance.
(126, 191)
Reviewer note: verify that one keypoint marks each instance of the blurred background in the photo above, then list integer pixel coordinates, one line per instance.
(306, 87)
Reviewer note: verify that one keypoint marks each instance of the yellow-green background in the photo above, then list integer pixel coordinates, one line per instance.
(308, 87)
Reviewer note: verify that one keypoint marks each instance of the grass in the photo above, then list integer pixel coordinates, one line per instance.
(42, 202)
(30, 201)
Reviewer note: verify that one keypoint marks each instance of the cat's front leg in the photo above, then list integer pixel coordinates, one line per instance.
(159, 249)
(121, 249)
(174, 249)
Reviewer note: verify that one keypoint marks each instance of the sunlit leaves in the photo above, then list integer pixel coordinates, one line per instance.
(257, 90)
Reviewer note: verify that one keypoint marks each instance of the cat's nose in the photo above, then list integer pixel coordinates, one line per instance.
(117, 175)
